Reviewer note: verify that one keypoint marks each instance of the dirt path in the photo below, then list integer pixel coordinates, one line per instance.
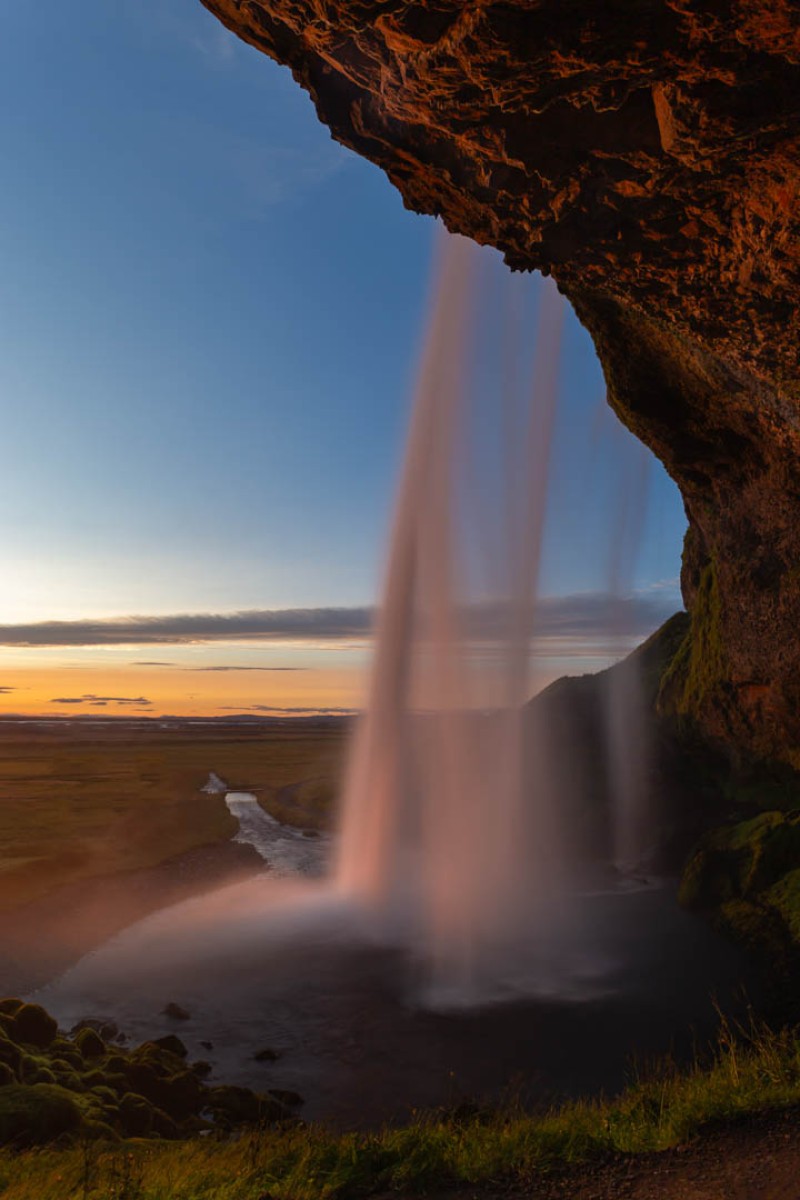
(757, 1158)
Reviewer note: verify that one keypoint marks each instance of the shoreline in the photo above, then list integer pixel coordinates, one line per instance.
(45, 937)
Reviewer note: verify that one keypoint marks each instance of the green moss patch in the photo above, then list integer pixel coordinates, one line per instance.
(33, 1114)
(747, 876)
(698, 666)
(55, 1087)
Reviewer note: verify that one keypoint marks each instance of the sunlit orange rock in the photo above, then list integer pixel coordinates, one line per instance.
(648, 156)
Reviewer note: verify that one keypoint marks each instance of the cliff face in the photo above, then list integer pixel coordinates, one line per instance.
(647, 154)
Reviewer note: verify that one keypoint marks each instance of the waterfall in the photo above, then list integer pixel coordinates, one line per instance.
(627, 731)
(448, 815)
(453, 814)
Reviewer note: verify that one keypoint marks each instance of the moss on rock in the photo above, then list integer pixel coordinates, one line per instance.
(90, 1044)
(698, 667)
(53, 1086)
(746, 876)
(34, 1114)
(34, 1026)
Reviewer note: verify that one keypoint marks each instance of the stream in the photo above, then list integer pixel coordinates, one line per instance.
(282, 962)
(287, 852)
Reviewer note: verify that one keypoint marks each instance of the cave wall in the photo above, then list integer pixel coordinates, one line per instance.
(647, 155)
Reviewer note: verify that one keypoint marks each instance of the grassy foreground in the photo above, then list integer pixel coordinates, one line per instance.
(747, 1074)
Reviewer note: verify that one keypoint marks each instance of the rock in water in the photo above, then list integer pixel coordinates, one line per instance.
(176, 1012)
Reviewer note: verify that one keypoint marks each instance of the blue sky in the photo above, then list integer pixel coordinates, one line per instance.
(209, 315)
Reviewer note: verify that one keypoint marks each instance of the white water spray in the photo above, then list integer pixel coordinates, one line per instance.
(449, 814)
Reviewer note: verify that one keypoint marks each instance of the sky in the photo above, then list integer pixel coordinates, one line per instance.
(209, 320)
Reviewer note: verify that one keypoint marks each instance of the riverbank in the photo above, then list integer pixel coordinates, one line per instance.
(48, 935)
(105, 822)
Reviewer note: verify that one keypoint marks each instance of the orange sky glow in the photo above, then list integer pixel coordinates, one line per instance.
(48, 689)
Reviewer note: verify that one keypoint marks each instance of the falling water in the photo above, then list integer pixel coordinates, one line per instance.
(626, 728)
(449, 816)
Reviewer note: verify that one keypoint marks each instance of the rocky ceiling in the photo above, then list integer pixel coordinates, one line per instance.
(647, 154)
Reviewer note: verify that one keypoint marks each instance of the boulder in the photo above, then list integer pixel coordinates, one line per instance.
(90, 1044)
(176, 1012)
(34, 1026)
(34, 1114)
(172, 1044)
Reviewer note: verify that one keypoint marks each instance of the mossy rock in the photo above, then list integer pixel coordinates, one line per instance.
(10, 1054)
(106, 1095)
(72, 1058)
(68, 1078)
(99, 1130)
(42, 1074)
(164, 1126)
(784, 896)
(90, 1044)
(10, 1005)
(741, 861)
(233, 1105)
(698, 667)
(758, 928)
(118, 1083)
(33, 1026)
(28, 1068)
(180, 1095)
(94, 1079)
(6, 1075)
(34, 1114)
(103, 1026)
(172, 1044)
(135, 1115)
(707, 879)
(162, 1060)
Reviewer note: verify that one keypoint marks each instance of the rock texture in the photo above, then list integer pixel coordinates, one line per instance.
(647, 154)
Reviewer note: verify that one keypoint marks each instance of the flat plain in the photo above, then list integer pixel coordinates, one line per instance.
(101, 822)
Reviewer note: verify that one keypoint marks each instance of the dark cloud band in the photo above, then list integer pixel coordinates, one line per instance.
(589, 615)
(292, 624)
(102, 701)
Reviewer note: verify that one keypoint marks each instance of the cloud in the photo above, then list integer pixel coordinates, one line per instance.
(244, 668)
(102, 701)
(291, 624)
(5, 690)
(275, 710)
(585, 615)
(226, 667)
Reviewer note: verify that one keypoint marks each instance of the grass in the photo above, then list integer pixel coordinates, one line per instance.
(81, 801)
(748, 1072)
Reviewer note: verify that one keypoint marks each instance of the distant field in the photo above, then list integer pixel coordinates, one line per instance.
(78, 801)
